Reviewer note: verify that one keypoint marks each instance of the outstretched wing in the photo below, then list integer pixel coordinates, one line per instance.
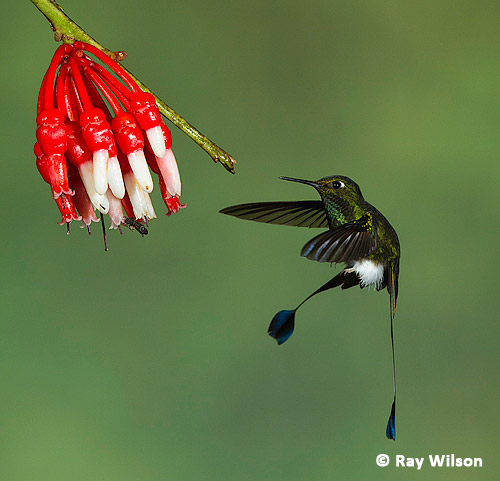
(302, 213)
(348, 242)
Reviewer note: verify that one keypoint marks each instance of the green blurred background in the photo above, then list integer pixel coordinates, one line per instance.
(151, 361)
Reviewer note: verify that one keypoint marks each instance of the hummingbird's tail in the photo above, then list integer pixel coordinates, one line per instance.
(390, 430)
(281, 327)
(283, 323)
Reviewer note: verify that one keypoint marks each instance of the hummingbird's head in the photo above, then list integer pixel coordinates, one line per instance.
(335, 186)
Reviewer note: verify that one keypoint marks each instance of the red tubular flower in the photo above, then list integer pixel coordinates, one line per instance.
(172, 202)
(129, 138)
(98, 136)
(67, 209)
(167, 164)
(80, 156)
(174, 205)
(64, 203)
(52, 138)
(105, 147)
(51, 131)
(143, 104)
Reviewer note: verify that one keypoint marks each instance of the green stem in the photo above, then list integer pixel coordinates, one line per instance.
(68, 31)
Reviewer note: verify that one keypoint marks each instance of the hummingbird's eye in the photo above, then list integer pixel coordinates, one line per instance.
(336, 184)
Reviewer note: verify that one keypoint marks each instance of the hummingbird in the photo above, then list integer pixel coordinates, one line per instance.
(358, 236)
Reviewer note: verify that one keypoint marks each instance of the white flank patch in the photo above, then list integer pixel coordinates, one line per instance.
(369, 272)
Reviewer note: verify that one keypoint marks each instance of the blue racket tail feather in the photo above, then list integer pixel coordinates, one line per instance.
(390, 431)
(282, 325)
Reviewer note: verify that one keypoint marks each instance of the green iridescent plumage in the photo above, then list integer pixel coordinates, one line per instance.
(358, 235)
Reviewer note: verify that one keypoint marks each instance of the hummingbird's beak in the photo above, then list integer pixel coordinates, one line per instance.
(302, 181)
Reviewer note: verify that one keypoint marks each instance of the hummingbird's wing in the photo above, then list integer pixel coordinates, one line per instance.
(344, 243)
(302, 213)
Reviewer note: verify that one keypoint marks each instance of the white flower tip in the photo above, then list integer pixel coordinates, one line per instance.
(115, 179)
(174, 178)
(150, 212)
(87, 175)
(100, 167)
(102, 204)
(115, 213)
(99, 202)
(135, 194)
(140, 169)
(156, 140)
(170, 173)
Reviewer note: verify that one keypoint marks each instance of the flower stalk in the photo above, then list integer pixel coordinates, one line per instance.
(67, 31)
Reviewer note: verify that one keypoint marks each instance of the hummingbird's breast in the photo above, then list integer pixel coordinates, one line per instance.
(338, 210)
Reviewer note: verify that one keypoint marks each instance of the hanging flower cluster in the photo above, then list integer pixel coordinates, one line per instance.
(96, 158)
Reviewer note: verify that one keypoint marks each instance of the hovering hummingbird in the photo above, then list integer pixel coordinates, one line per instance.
(358, 235)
